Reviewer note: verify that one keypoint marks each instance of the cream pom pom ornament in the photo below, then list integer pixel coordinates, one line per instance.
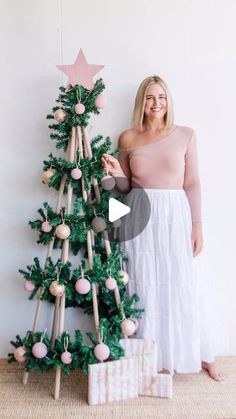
(62, 231)
(59, 115)
(19, 354)
(128, 327)
(57, 289)
(101, 351)
(98, 224)
(47, 175)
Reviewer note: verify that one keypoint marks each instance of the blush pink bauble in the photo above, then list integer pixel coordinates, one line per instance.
(100, 101)
(82, 286)
(79, 108)
(29, 286)
(19, 354)
(66, 358)
(39, 350)
(46, 227)
(76, 173)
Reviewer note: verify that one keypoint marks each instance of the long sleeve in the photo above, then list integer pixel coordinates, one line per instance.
(192, 185)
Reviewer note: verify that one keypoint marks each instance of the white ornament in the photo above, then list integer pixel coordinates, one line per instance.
(59, 115)
(62, 231)
(101, 351)
(110, 283)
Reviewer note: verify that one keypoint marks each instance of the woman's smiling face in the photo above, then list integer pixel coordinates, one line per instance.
(155, 102)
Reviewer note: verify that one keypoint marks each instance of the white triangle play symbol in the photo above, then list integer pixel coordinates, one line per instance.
(117, 209)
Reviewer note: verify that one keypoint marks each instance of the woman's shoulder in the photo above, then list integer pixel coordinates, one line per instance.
(186, 130)
(126, 138)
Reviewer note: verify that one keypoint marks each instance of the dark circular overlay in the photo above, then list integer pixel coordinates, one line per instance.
(133, 223)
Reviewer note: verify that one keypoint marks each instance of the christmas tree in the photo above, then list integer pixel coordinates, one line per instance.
(78, 225)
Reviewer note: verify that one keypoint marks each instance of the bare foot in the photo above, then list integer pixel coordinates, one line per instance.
(212, 370)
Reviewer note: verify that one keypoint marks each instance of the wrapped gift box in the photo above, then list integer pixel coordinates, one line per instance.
(160, 385)
(113, 380)
(150, 383)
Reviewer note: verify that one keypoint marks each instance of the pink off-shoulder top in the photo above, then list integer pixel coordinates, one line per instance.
(167, 163)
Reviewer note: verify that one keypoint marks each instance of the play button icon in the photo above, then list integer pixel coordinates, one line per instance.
(116, 209)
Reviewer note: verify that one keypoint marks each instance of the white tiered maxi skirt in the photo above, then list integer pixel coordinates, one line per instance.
(174, 287)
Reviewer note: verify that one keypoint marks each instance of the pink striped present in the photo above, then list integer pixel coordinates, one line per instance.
(113, 381)
(150, 383)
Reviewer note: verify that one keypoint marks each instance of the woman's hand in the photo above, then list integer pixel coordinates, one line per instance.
(112, 165)
(197, 238)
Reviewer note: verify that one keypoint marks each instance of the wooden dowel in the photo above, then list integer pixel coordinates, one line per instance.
(60, 194)
(55, 321)
(64, 258)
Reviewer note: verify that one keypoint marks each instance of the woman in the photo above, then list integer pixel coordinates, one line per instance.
(161, 158)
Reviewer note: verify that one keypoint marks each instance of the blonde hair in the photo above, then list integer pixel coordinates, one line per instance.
(138, 112)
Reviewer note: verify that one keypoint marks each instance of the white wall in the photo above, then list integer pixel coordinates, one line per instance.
(190, 43)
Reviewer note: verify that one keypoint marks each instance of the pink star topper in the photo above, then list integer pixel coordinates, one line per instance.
(81, 72)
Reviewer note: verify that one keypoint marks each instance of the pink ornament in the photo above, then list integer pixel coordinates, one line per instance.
(128, 327)
(110, 283)
(79, 108)
(82, 286)
(98, 224)
(66, 357)
(59, 115)
(29, 286)
(76, 173)
(100, 101)
(101, 351)
(125, 276)
(108, 183)
(19, 354)
(62, 231)
(57, 289)
(46, 227)
(47, 175)
(39, 350)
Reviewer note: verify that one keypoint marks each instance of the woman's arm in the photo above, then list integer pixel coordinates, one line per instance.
(119, 168)
(192, 185)
(192, 188)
